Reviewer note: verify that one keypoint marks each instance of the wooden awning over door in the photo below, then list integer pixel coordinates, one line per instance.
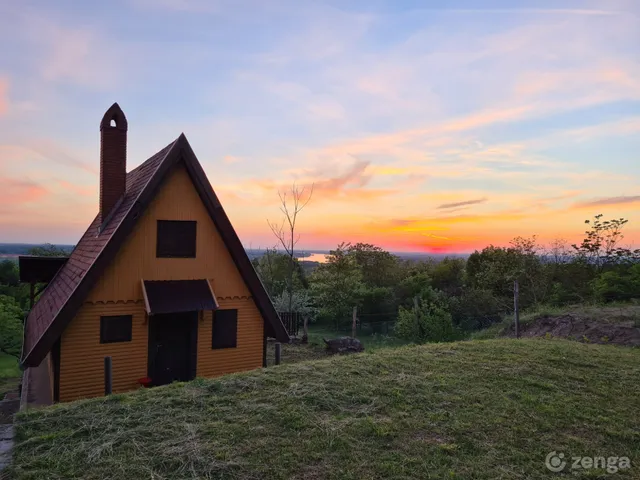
(174, 296)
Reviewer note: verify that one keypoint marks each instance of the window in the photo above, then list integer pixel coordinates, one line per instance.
(225, 329)
(116, 328)
(176, 239)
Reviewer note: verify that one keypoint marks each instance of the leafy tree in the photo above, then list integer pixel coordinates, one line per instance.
(336, 286)
(273, 269)
(379, 267)
(9, 273)
(10, 326)
(601, 245)
(448, 275)
(301, 303)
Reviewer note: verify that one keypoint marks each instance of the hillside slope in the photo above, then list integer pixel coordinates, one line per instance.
(480, 409)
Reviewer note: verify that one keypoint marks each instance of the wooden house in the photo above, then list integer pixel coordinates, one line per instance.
(159, 282)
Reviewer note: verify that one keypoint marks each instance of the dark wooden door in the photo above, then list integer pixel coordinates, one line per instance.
(172, 347)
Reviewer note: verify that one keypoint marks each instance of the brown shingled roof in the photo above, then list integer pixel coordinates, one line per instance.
(64, 295)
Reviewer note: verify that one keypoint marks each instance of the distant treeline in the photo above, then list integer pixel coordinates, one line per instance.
(25, 248)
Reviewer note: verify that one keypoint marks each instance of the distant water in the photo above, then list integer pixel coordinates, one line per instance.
(315, 257)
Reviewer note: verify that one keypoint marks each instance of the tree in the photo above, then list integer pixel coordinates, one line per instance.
(600, 246)
(273, 269)
(9, 273)
(336, 286)
(49, 250)
(379, 267)
(292, 203)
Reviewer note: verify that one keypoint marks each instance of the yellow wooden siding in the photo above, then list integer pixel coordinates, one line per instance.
(248, 353)
(119, 292)
(82, 354)
(176, 200)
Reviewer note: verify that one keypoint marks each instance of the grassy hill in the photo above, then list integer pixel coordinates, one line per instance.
(479, 409)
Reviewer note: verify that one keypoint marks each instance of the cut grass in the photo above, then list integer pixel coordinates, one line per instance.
(480, 409)
(9, 374)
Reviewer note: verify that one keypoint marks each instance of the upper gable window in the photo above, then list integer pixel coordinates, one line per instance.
(176, 239)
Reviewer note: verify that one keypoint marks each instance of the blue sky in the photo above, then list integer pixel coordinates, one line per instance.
(525, 113)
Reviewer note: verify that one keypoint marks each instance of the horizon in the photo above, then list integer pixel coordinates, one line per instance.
(428, 128)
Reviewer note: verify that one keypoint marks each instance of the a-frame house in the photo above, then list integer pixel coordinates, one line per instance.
(159, 282)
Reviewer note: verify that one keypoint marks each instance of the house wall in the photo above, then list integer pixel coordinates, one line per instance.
(119, 292)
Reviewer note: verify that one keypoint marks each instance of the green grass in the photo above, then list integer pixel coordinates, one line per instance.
(370, 341)
(467, 410)
(9, 374)
(316, 348)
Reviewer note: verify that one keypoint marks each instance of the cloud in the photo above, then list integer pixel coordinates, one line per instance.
(16, 191)
(78, 189)
(608, 201)
(462, 204)
(4, 95)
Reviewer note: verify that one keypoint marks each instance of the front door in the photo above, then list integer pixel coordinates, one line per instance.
(172, 347)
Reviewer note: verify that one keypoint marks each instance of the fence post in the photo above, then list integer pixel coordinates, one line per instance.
(278, 352)
(516, 312)
(108, 376)
(354, 322)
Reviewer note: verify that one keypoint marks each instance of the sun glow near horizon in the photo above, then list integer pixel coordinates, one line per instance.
(422, 129)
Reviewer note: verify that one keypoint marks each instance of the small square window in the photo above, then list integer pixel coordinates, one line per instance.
(116, 328)
(176, 239)
(225, 329)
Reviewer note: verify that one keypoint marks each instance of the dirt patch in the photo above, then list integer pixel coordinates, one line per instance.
(582, 329)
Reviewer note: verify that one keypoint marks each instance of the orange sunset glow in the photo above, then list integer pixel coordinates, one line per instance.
(421, 129)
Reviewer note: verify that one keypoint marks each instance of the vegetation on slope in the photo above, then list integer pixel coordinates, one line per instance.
(9, 374)
(483, 409)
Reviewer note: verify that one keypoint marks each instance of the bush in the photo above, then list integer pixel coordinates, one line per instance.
(10, 326)
(617, 285)
(430, 322)
(475, 309)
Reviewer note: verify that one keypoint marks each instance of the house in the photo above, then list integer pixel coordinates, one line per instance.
(159, 282)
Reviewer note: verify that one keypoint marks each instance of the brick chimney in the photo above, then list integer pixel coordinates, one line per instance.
(113, 159)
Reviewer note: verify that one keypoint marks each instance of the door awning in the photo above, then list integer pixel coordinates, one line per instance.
(173, 296)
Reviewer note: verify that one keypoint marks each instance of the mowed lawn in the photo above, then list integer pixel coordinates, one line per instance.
(469, 410)
(9, 374)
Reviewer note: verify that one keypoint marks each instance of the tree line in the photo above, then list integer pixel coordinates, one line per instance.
(434, 300)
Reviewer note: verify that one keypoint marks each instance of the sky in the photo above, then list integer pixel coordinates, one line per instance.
(435, 126)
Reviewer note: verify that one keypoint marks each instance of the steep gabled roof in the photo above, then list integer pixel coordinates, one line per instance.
(98, 246)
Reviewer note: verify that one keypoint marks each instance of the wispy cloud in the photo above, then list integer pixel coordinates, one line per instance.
(609, 201)
(17, 191)
(462, 204)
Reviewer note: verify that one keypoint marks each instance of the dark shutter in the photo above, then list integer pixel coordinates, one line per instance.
(176, 238)
(115, 328)
(225, 329)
